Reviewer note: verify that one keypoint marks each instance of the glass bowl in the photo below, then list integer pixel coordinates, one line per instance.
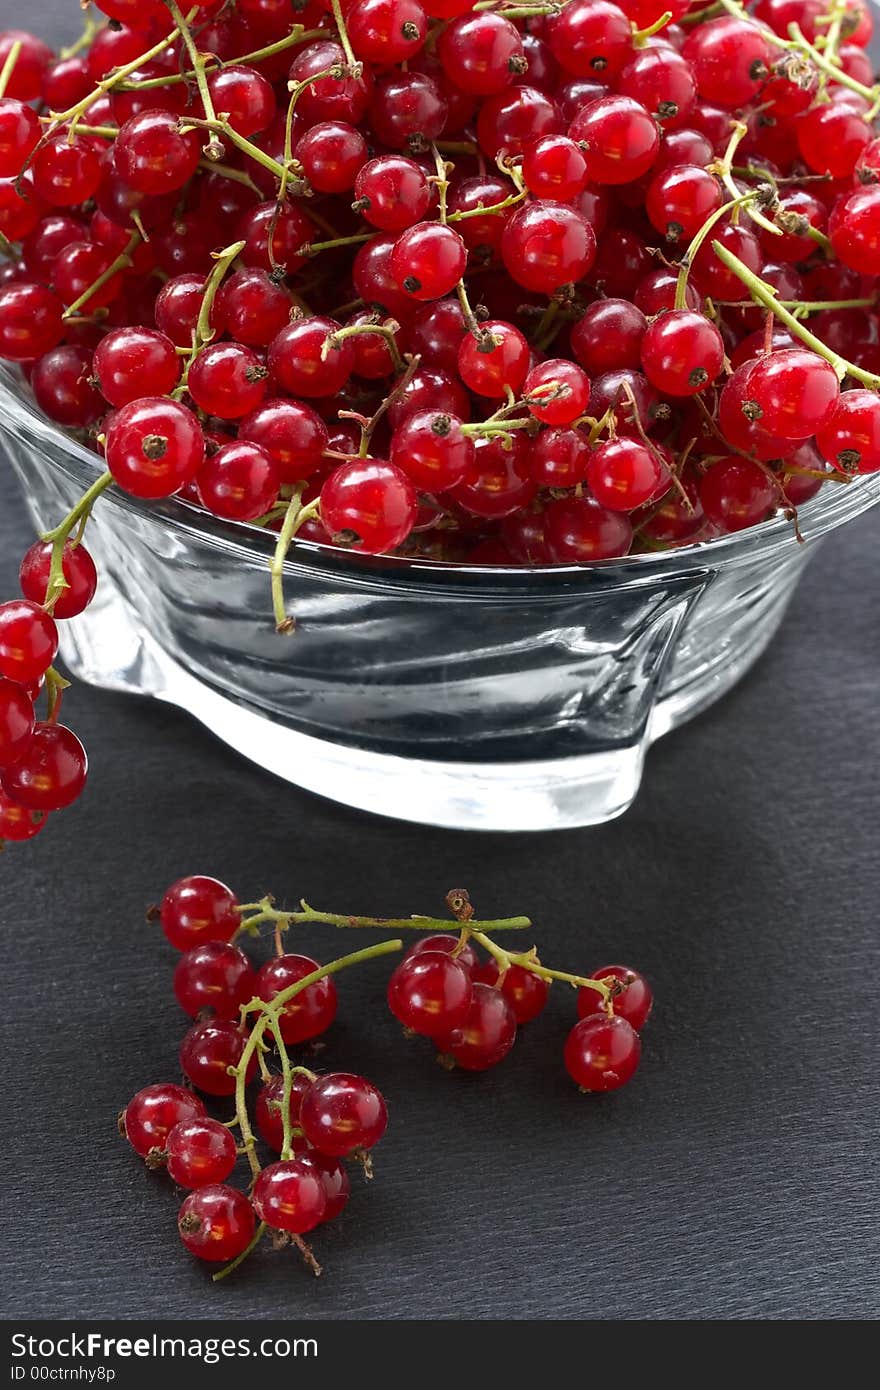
(474, 698)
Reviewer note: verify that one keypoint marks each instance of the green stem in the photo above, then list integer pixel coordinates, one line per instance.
(119, 75)
(764, 295)
(8, 67)
(286, 1078)
(492, 210)
(355, 67)
(640, 36)
(240, 1259)
(293, 519)
(528, 961)
(687, 260)
(214, 148)
(268, 913)
(81, 509)
(315, 247)
(384, 330)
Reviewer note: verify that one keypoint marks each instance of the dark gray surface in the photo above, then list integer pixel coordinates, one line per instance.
(735, 1178)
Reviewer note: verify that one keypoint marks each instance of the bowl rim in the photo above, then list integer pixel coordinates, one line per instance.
(832, 506)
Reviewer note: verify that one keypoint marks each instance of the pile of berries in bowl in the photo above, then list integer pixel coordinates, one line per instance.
(489, 285)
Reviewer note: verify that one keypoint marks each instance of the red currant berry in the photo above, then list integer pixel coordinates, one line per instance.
(216, 1223)
(633, 1003)
(199, 909)
(624, 474)
(245, 97)
(386, 31)
(791, 393)
(30, 320)
(581, 530)
(307, 360)
(555, 168)
(499, 480)
(486, 1035)
(154, 447)
(251, 307)
(134, 362)
(335, 1180)
(428, 260)
(268, 1107)
(680, 199)
(546, 246)
(730, 58)
(19, 133)
(854, 227)
(61, 381)
(16, 823)
(392, 192)
(33, 59)
(481, 233)
(152, 155)
(735, 493)
(430, 993)
(682, 353)
(331, 154)
(290, 1196)
(432, 450)
(227, 380)
(494, 360)
(68, 172)
(239, 482)
(850, 437)
(28, 641)
(619, 138)
(52, 773)
(310, 1012)
(214, 975)
(590, 37)
(341, 1112)
(368, 504)
(200, 1152)
(329, 98)
(559, 458)
(525, 991)
(80, 575)
(16, 722)
(481, 53)
(209, 1050)
(274, 239)
(556, 391)
(441, 941)
(291, 433)
(831, 139)
(602, 1053)
(407, 111)
(150, 1115)
(609, 336)
(663, 82)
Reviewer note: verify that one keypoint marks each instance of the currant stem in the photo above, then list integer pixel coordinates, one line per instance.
(8, 67)
(267, 912)
(297, 35)
(764, 295)
(384, 330)
(313, 248)
(687, 261)
(640, 36)
(355, 68)
(240, 1259)
(214, 148)
(286, 1079)
(528, 961)
(294, 518)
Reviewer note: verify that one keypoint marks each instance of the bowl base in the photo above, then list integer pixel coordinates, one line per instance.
(106, 647)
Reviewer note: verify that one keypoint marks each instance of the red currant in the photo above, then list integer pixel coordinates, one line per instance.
(16, 722)
(341, 1112)
(80, 575)
(199, 909)
(291, 433)
(290, 1196)
(209, 1050)
(199, 1152)
(150, 1115)
(487, 1033)
(216, 1223)
(368, 504)
(430, 993)
(268, 1107)
(633, 1003)
(525, 991)
(28, 641)
(214, 975)
(307, 1014)
(602, 1053)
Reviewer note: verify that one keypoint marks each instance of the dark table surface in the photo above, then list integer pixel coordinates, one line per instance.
(736, 1177)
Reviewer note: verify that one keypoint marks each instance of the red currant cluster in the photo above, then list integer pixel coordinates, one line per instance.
(469, 1009)
(496, 284)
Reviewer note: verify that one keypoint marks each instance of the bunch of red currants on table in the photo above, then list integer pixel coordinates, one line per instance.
(486, 283)
(468, 1007)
